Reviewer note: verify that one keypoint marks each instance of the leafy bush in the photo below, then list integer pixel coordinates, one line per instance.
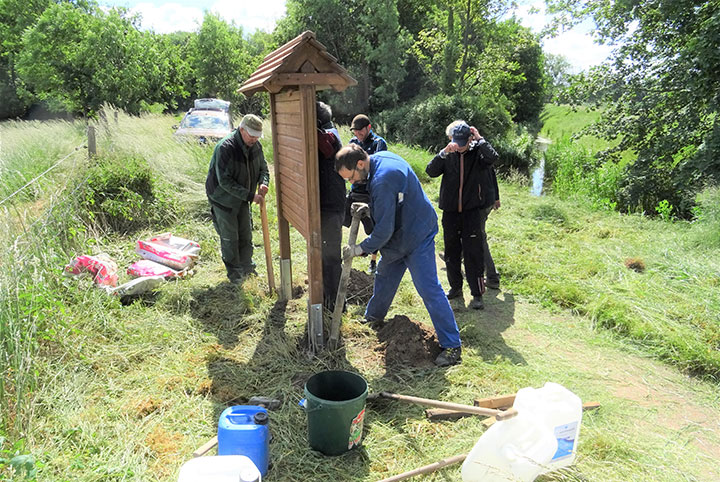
(516, 149)
(423, 123)
(122, 194)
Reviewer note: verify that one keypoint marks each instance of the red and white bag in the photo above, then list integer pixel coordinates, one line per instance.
(166, 249)
(145, 267)
(101, 267)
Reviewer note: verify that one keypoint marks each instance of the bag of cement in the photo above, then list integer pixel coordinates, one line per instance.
(145, 267)
(101, 267)
(137, 286)
(166, 249)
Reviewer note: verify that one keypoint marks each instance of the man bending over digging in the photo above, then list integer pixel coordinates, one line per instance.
(405, 229)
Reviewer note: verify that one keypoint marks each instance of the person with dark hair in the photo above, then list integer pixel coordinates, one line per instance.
(468, 191)
(332, 198)
(237, 170)
(404, 233)
(371, 143)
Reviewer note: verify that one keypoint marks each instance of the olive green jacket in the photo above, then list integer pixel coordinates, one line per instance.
(235, 171)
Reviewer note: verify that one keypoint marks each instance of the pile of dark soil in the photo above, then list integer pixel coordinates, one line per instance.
(360, 288)
(407, 344)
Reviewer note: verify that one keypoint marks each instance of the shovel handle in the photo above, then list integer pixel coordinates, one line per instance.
(266, 242)
(342, 288)
(488, 412)
(427, 468)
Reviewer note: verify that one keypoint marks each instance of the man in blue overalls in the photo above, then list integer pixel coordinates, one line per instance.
(404, 232)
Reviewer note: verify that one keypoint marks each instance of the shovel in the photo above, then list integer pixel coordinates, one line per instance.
(358, 211)
(266, 242)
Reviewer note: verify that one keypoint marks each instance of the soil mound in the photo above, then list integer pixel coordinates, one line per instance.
(407, 344)
(360, 288)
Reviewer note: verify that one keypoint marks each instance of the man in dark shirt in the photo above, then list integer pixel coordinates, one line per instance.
(332, 198)
(467, 192)
(371, 143)
(238, 175)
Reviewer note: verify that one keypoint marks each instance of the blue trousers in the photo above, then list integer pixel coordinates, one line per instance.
(423, 270)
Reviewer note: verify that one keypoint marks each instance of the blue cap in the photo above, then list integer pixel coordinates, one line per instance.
(461, 134)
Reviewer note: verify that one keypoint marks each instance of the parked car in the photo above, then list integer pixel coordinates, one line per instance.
(208, 121)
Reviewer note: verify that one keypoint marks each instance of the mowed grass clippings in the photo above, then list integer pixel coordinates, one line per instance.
(129, 391)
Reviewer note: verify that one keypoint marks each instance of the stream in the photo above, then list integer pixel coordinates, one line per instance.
(538, 173)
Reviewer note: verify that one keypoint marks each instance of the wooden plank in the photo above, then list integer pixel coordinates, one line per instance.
(293, 143)
(286, 127)
(503, 401)
(295, 189)
(283, 225)
(287, 108)
(291, 157)
(297, 219)
(314, 237)
(287, 156)
(289, 96)
(308, 79)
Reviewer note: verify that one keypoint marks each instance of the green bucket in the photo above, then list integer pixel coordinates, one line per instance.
(335, 406)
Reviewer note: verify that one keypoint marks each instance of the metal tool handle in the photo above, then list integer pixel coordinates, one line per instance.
(342, 288)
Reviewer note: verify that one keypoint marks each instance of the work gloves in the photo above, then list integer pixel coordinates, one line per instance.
(351, 250)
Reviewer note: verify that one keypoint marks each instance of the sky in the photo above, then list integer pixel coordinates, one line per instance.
(165, 16)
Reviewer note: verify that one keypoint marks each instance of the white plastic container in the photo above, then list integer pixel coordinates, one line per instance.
(541, 438)
(220, 468)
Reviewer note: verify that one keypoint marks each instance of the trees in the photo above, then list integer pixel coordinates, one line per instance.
(15, 17)
(365, 36)
(661, 93)
(219, 58)
(77, 59)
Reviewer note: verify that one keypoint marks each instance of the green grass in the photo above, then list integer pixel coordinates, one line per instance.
(95, 390)
(562, 121)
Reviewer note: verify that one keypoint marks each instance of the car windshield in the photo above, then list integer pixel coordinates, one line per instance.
(196, 121)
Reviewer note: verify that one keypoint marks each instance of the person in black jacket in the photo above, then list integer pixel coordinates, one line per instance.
(332, 201)
(467, 190)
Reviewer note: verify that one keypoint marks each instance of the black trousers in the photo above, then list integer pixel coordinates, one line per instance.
(331, 231)
(462, 234)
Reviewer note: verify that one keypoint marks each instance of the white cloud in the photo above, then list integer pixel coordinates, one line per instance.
(168, 17)
(172, 17)
(257, 15)
(575, 44)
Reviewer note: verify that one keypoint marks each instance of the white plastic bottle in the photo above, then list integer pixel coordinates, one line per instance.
(541, 438)
(220, 468)
(560, 410)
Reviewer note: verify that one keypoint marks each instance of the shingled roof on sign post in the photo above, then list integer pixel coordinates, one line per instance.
(301, 61)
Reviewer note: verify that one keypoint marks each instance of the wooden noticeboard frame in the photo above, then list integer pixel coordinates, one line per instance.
(292, 74)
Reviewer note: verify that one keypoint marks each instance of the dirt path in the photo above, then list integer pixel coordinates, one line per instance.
(655, 406)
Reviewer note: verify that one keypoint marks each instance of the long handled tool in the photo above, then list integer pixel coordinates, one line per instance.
(488, 412)
(266, 242)
(358, 211)
(427, 468)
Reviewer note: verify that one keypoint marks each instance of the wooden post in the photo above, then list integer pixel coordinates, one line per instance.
(314, 237)
(285, 293)
(92, 147)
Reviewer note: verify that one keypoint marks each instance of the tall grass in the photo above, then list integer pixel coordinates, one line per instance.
(127, 392)
(573, 171)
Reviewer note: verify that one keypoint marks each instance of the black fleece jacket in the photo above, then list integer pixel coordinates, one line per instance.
(474, 186)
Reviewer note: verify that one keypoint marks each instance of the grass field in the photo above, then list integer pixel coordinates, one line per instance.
(622, 310)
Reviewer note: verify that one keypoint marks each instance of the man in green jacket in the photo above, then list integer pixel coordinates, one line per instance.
(238, 175)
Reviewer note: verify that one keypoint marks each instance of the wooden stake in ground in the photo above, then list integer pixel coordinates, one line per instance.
(358, 211)
(266, 242)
